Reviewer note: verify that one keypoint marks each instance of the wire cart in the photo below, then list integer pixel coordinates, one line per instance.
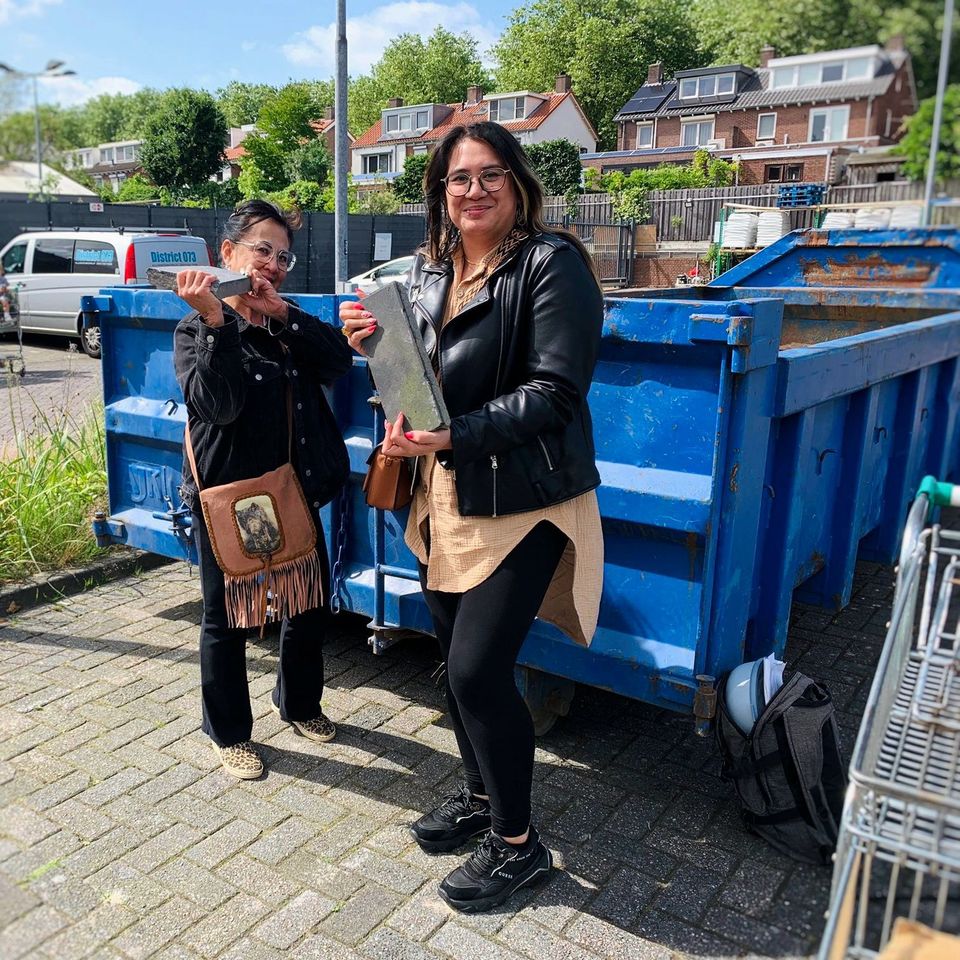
(898, 853)
(11, 357)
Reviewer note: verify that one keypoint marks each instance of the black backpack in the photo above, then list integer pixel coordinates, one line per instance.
(788, 775)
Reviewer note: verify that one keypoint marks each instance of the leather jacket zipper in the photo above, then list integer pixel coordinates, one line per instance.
(493, 467)
(546, 454)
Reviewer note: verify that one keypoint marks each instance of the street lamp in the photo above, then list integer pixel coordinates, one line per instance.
(54, 68)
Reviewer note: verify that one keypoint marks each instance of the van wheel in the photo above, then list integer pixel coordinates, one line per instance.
(90, 339)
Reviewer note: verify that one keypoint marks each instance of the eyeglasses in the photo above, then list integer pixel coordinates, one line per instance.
(491, 180)
(264, 252)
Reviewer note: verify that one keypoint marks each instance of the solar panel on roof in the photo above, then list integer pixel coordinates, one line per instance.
(648, 99)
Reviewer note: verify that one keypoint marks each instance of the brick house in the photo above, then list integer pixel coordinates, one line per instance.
(380, 152)
(791, 119)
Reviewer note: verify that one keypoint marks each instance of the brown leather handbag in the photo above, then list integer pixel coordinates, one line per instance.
(388, 484)
(264, 539)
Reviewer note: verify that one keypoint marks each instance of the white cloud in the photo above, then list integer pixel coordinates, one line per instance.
(369, 34)
(69, 91)
(247, 45)
(11, 11)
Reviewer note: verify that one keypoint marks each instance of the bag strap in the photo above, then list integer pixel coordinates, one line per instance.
(188, 443)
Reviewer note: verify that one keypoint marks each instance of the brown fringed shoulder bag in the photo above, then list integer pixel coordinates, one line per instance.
(264, 539)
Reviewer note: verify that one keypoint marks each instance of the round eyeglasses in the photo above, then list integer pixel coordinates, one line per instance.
(491, 180)
(264, 252)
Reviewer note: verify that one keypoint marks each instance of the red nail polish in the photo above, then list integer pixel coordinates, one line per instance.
(372, 327)
(409, 436)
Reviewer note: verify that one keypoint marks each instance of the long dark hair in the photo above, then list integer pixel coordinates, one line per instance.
(442, 236)
(251, 212)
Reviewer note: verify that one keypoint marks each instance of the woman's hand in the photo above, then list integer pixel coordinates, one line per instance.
(357, 325)
(263, 297)
(398, 442)
(193, 286)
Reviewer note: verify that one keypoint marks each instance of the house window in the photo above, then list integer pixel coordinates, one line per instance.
(784, 76)
(423, 119)
(377, 163)
(766, 126)
(393, 123)
(644, 135)
(829, 124)
(696, 133)
(508, 108)
(774, 173)
(809, 74)
(794, 172)
(725, 84)
(831, 72)
(858, 68)
(692, 88)
(106, 156)
(420, 148)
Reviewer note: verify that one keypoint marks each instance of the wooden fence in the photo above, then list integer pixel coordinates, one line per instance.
(690, 215)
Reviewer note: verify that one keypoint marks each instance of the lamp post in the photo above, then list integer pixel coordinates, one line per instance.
(341, 152)
(942, 76)
(54, 68)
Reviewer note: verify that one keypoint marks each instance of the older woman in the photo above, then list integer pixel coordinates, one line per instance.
(237, 362)
(505, 522)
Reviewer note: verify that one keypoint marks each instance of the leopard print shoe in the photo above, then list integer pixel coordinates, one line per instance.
(320, 729)
(241, 760)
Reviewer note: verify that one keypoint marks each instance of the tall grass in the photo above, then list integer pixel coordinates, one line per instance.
(52, 479)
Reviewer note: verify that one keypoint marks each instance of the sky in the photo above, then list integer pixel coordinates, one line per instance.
(119, 47)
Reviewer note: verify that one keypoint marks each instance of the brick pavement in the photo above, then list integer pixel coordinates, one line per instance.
(121, 838)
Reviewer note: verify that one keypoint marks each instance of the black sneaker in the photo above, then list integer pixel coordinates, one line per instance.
(494, 871)
(459, 817)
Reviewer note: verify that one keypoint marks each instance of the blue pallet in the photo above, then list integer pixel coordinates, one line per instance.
(736, 474)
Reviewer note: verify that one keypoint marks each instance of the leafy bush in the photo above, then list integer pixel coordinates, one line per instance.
(915, 145)
(408, 187)
(557, 164)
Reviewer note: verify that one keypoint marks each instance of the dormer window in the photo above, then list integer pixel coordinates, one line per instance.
(406, 121)
(507, 108)
(712, 85)
(825, 71)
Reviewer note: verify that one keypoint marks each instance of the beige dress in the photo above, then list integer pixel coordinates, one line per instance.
(464, 551)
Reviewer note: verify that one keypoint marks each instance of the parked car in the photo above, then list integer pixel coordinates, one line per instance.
(52, 269)
(393, 271)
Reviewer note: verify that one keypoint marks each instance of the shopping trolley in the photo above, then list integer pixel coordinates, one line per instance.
(11, 354)
(898, 853)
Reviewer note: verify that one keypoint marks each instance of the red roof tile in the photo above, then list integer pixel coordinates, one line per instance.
(462, 114)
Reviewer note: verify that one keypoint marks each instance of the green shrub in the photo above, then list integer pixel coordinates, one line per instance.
(52, 479)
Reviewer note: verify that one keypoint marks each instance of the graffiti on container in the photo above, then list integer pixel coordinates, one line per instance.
(152, 483)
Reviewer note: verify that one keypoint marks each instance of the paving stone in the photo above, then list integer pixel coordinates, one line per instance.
(217, 931)
(384, 944)
(304, 869)
(65, 894)
(280, 842)
(25, 826)
(309, 806)
(24, 935)
(147, 819)
(611, 942)
(87, 937)
(224, 843)
(163, 847)
(121, 884)
(536, 942)
(623, 896)
(297, 918)
(689, 892)
(463, 944)
(257, 879)
(105, 849)
(15, 901)
(195, 883)
(750, 933)
(752, 888)
(320, 947)
(239, 802)
(120, 783)
(158, 929)
(383, 870)
(56, 793)
(363, 911)
(421, 915)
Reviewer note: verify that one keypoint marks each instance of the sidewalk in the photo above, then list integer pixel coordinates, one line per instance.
(121, 838)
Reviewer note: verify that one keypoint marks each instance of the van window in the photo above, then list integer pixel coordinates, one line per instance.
(14, 257)
(94, 256)
(53, 256)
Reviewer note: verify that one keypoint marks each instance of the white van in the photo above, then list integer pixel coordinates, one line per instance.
(52, 269)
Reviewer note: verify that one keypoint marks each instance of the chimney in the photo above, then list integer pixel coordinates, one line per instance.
(328, 113)
(394, 102)
(474, 93)
(655, 73)
(562, 84)
(767, 54)
(895, 44)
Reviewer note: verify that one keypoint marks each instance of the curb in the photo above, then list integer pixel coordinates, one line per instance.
(62, 583)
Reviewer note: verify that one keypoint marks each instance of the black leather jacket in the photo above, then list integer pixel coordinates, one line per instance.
(234, 379)
(515, 366)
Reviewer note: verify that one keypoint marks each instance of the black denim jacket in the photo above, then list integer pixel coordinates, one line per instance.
(234, 379)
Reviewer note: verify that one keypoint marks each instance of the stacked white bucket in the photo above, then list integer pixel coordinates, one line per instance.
(772, 225)
(740, 231)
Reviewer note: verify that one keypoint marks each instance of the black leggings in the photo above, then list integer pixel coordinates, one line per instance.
(480, 633)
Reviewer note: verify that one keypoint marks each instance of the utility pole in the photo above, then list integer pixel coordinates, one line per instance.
(341, 154)
(945, 39)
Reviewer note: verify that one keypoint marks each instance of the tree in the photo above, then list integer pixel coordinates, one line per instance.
(136, 188)
(58, 132)
(117, 116)
(605, 46)
(408, 187)
(183, 141)
(557, 163)
(915, 145)
(309, 161)
(436, 70)
(242, 102)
